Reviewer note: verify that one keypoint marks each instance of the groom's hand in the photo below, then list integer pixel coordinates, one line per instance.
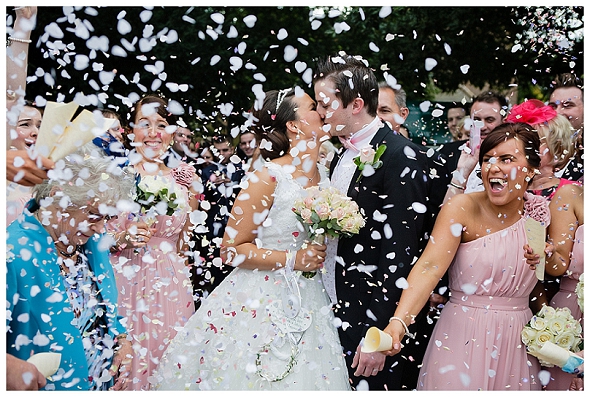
(367, 364)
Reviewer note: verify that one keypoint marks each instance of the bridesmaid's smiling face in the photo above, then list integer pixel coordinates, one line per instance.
(153, 135)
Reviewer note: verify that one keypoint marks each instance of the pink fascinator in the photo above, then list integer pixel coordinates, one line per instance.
(531, 112)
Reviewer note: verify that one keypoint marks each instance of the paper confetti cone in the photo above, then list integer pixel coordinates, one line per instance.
(376, 341)
(46, 363)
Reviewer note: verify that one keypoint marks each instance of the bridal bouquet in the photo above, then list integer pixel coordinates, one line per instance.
(326, 212)
(154, 196)
(553, 335)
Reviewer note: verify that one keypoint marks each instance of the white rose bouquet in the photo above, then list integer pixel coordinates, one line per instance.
(553, 335)
(156, 196)
(580, 292)
(326, 212)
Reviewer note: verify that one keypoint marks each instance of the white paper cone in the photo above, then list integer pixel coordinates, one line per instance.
(376, 341)
(47, 363)
(553, 354)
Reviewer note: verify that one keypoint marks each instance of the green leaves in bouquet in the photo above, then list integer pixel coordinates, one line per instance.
(147, 200)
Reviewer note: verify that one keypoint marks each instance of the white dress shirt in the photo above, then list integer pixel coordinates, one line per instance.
(341, 178)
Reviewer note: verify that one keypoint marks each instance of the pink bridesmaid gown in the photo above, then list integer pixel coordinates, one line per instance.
(566, 297)
(476, 343)
(155, 294)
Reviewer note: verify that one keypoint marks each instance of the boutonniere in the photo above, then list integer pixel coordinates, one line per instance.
(369, 160)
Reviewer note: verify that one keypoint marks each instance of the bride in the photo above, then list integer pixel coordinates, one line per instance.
(265, 326)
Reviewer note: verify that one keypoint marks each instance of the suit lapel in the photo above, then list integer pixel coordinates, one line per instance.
(353, 188)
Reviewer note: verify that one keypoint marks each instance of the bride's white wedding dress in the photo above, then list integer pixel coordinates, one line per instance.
(251, 333)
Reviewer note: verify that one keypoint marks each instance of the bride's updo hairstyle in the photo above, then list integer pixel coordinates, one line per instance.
(270, 123)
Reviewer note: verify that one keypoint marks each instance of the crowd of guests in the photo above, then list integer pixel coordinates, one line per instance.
(151, 258)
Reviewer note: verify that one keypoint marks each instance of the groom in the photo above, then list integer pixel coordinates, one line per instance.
(365, 274)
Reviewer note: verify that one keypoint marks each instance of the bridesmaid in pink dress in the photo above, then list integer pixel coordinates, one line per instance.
(155, 290)
(479, 238)
(567, 235)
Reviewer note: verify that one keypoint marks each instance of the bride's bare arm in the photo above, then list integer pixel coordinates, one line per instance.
(241, 246)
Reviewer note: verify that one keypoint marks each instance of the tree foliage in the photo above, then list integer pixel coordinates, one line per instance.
(213, 60)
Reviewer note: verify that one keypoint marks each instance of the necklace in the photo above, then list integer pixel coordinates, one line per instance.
(313, 177)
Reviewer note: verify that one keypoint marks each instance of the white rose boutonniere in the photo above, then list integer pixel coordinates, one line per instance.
(369, 160)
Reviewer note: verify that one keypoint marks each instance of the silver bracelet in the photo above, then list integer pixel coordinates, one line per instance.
(453, 184)
(10, 39)
(406, 329)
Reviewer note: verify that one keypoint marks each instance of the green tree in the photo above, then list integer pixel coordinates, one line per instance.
(209, 59)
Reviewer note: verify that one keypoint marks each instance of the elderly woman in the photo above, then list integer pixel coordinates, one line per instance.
(61, 295)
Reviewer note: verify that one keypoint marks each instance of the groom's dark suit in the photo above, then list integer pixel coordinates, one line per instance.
(394, 201)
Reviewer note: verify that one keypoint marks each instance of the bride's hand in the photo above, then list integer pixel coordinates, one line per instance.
(310, 257)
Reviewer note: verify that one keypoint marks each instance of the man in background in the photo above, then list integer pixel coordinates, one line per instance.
(392, 108)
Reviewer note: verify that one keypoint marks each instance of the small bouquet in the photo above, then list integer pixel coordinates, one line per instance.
(156, 196)
(580, 292)
(327, 212)
(553, 336)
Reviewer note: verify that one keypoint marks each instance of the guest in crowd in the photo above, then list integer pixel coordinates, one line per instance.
(150, 256)
(479, 238)
(221, 182)
(23, 167)
(112, 141)
(564, 259)
(60, 286)
(567, 98)
(555, 136)
(27, 129)
(392, 108)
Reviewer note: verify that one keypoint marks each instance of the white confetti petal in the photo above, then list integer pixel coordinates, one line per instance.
(373, 47)
(283, 34)
(465, 69)
(300, 66)
(465, 379)
(456, 229)
(123, 27)
(401, 283)
(290, 53)
(218, 18)
(424, 106)
(250, 20)
(429, 64)
(419, 208)
(469, 289)
(447, 49)
(384, 11)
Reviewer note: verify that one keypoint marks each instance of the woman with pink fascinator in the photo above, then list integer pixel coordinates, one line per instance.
(567, 229)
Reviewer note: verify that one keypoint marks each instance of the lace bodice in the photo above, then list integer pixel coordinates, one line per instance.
(281, 230)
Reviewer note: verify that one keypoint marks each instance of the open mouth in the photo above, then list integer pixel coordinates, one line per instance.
(497, 184)
(152, 144)
(29, 142)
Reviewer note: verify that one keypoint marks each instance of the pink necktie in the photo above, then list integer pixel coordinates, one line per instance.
(350, 143)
